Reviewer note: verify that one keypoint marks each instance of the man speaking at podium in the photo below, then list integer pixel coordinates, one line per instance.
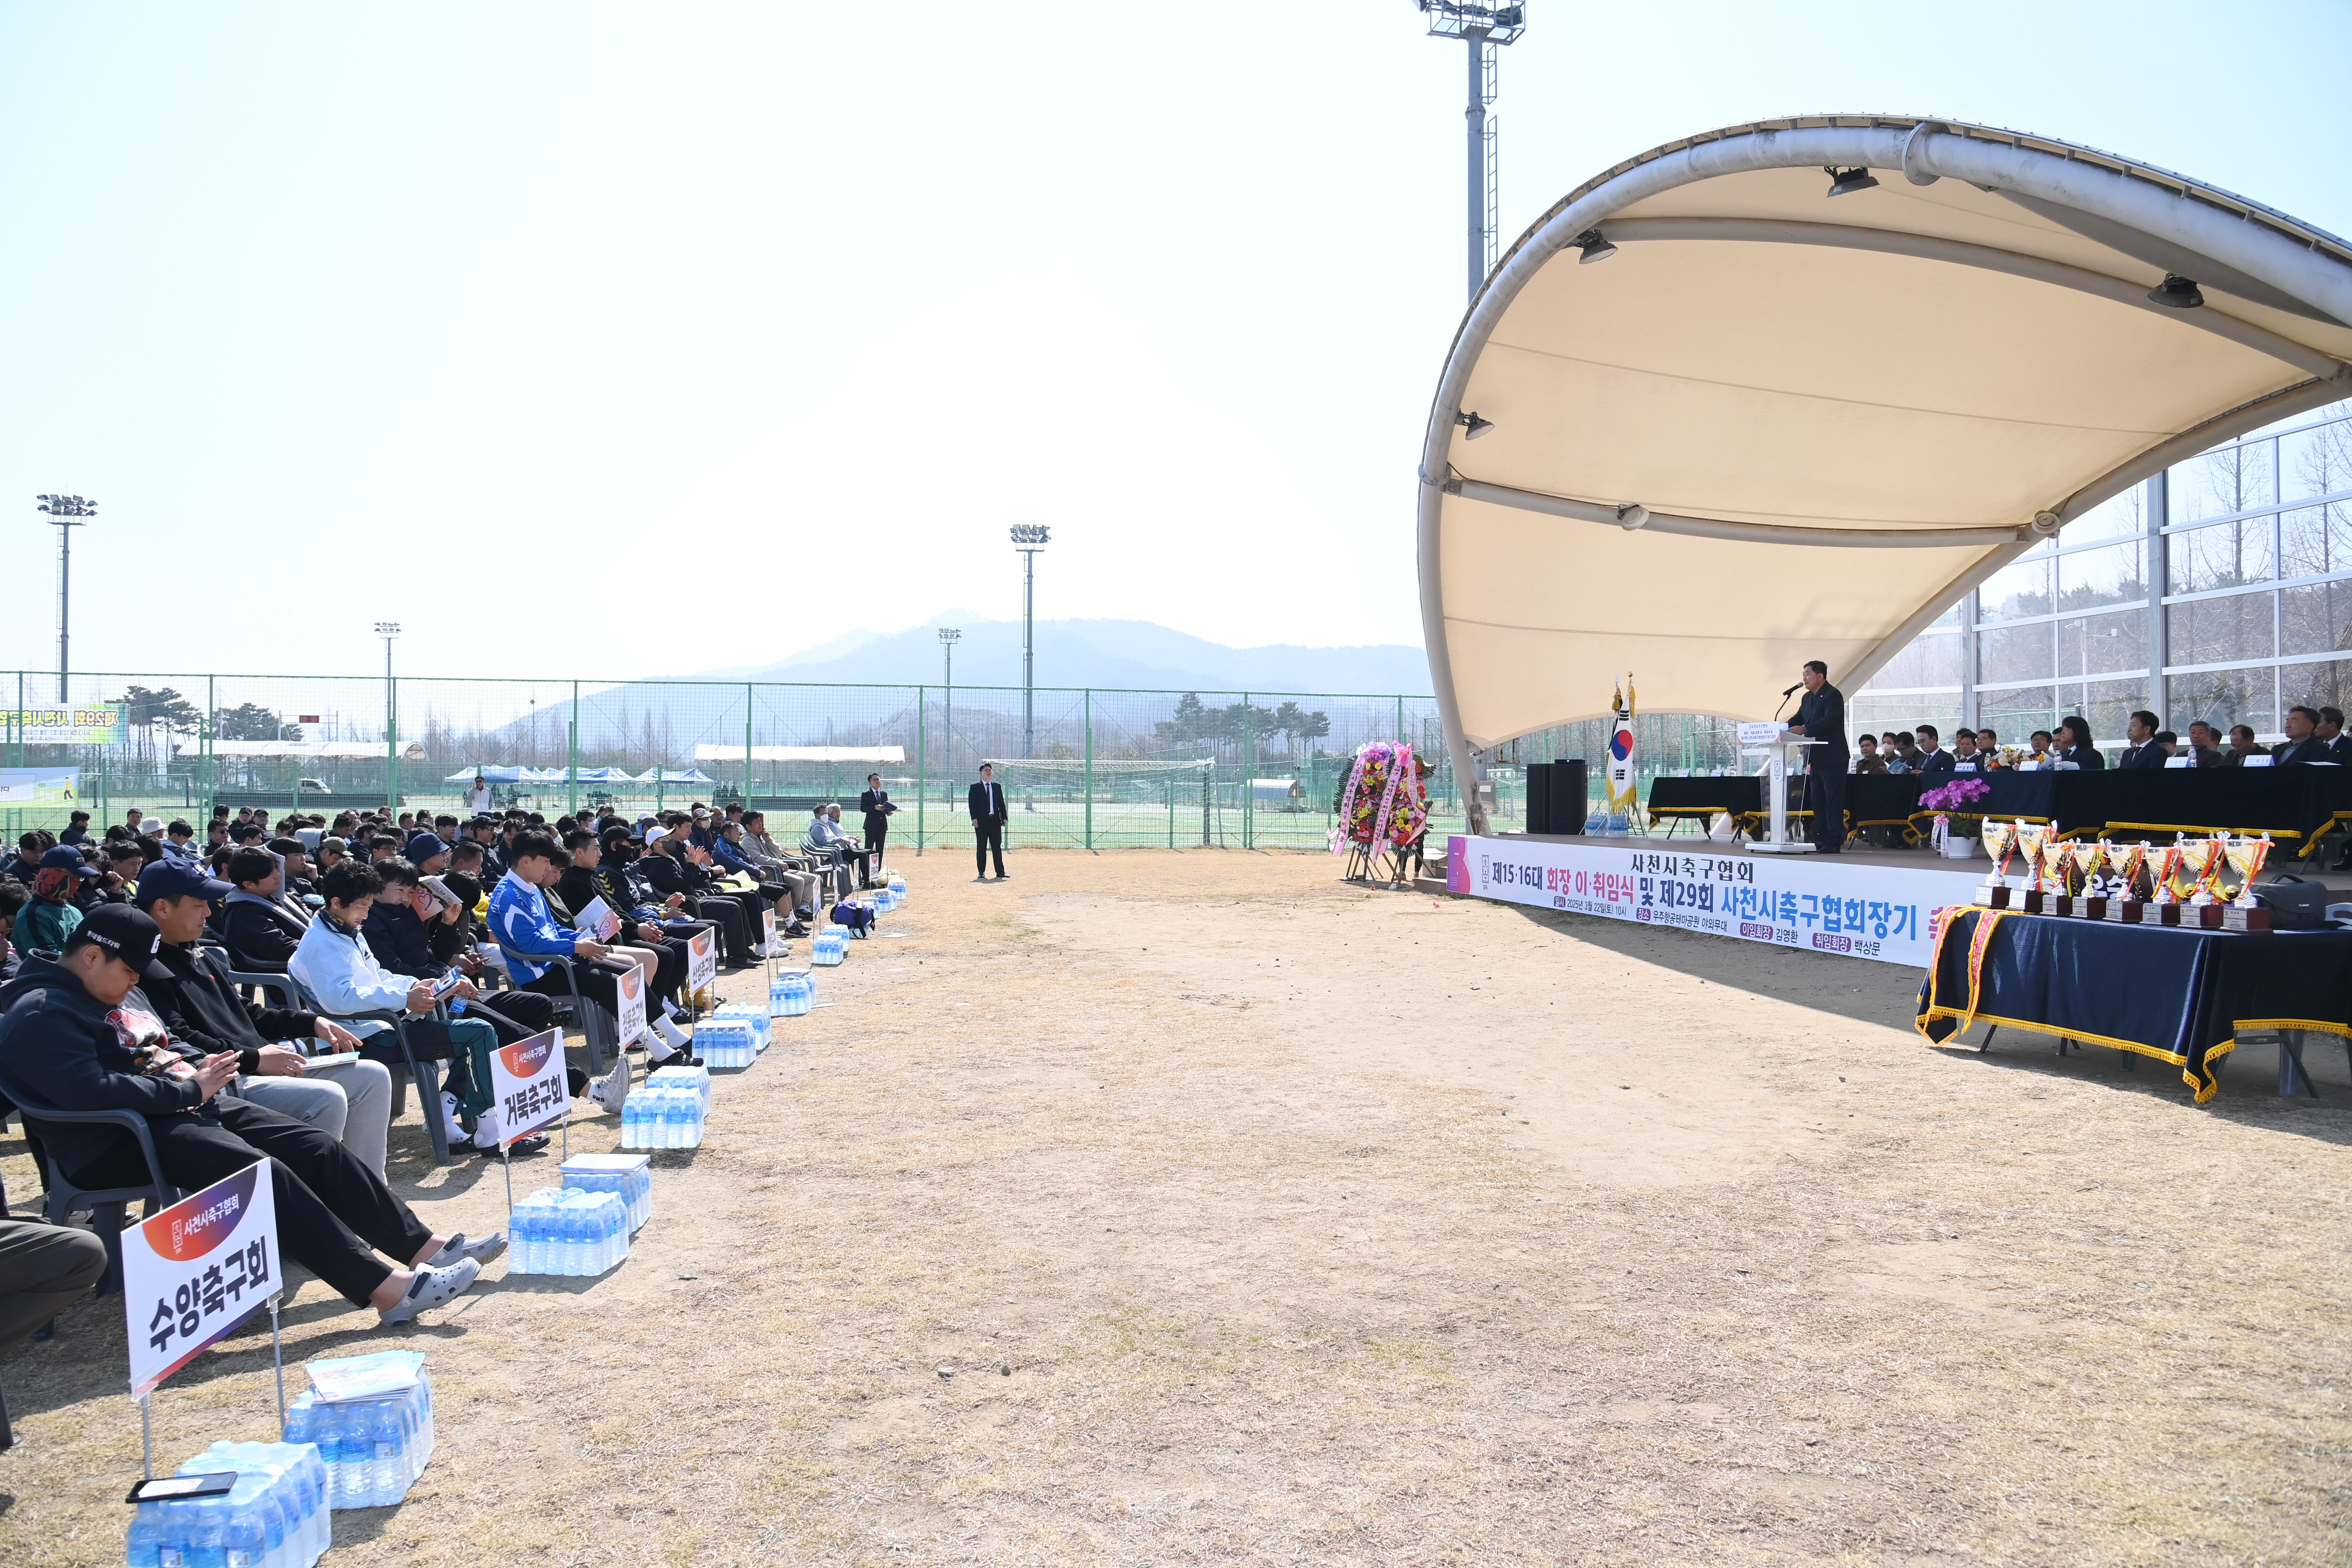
(1822, 717)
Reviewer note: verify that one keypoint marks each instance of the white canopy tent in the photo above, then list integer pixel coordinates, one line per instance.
(1727, 421)
(361, 751)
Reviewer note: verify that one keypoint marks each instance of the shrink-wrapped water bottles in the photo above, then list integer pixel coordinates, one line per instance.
(629, 1175)
(275, 1516)
(566, 1230)
(669, 1111)
(790, 994)
(898, 888)
(756, 1016)
(829, 948)
(373, 1445)
(726, 1042)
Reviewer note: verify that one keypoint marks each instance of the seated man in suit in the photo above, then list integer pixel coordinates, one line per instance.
(1966, 759)
(1934, 762)
(2205, 746)
(2302, 744)
(2073, 744)
(1867, 760)
(2145, 750)
(2243, 745)
(2331, 729)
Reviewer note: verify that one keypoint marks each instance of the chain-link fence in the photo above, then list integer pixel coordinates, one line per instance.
(1096, 768)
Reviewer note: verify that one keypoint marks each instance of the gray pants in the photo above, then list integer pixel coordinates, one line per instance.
(350, 1102)
(42, 1268)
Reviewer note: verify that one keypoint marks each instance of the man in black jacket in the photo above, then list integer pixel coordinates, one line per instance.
(2302, 744)
(2143, 753)
(76, 1033)
(1821, 716)
(261, 930)
(665, 866)
(402, 939)
(986, 801)
(876, 804)
(349, 1101)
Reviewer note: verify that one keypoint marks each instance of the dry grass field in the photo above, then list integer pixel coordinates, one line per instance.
(1197, 1207)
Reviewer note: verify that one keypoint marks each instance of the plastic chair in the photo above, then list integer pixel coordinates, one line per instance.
(106, 1204)
(592, 1018)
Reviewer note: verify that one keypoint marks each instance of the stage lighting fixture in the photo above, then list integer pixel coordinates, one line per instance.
(1475, 425)
(2177, 293)
(1846, 181)
(1594, 246)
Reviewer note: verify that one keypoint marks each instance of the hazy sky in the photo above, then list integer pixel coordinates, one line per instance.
(759, 323)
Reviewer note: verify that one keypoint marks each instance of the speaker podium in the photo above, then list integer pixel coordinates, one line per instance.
(1784, 755)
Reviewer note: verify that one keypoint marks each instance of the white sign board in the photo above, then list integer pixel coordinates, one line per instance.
(1855, 911)
(194, 1272)
(702, 960)
(528, 1086)
(768, 929)
(631, 989)
(1759, 734)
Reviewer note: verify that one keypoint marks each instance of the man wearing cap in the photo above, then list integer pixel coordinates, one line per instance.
(76, 1033)
(349, 1102)
(527, 934)
(48, 921)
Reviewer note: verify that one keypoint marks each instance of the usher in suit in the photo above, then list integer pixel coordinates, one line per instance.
(987, 801)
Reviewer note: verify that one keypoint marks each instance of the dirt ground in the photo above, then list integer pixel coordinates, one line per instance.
(1164, 1207)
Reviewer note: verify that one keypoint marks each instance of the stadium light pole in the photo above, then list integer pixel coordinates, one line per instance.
(388, 630)
(67, 514)
(948, 635)
(1483, 28)
(1028, 538)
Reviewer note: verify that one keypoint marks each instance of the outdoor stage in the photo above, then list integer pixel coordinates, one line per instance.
(1860, 904)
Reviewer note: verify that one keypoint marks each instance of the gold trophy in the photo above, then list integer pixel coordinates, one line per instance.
(2034, 839)
(2091, 899)
(2000, 838)
(2246, 856)
(2125, 860)
(2164, 886)
(2206, 857)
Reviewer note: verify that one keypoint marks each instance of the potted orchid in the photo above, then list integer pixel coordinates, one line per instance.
(1956, 842)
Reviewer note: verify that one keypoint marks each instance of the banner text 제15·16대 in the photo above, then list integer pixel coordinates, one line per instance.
(1855, 911)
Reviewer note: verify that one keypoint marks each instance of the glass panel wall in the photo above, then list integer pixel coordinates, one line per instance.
(2215, 592)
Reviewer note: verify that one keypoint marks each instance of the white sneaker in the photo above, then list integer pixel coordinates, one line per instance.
(612, 1091)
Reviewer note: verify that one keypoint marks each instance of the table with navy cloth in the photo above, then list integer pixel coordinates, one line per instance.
(1741, 795)
(2180, 996)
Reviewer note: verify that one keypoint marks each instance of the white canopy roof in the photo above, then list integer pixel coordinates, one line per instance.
(802, 753)
(1778, 425)
(410, 750)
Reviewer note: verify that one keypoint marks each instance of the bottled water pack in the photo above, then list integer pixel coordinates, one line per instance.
(898, 888)
(275, 1517)
(724, 1042)
(756, 1016)
(830, 947)
(664, 1115)
(630, 1175)
(566, 1230)
(882, 901)
(790, 994)
(373, 1448)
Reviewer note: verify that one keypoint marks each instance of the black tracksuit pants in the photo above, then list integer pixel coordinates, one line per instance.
(331, 1208)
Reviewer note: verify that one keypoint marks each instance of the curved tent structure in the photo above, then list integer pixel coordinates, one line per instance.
(1788, 390)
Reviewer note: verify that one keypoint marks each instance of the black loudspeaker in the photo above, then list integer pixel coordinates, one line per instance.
(1539, 798)
(1568, 802)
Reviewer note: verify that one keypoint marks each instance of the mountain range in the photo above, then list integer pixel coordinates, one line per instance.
(1132, 654)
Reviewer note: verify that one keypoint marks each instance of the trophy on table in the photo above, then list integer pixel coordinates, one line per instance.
(2091, 860)
(2246, 856)
(2164, 884)
(2000, 839)
(2125, 861)
(2034, 839)
(2206, 857)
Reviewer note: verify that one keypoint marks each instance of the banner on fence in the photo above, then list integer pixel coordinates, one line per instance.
(39, 786)
(96, 724)
(528, 1083)
(194, 1272)
(1855, 911)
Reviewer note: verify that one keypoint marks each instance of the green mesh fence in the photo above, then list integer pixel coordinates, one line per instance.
(1096, 768)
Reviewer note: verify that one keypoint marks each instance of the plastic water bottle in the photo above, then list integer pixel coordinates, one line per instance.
(244, 1539)
(352, 1444)
(209, 1534)
(145, 1546)
(387, 1458)
(175, 1535)
(898, 888)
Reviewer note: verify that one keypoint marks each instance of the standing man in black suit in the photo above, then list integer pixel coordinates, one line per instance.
(987, 823)
(876, 804)
(1822, 717)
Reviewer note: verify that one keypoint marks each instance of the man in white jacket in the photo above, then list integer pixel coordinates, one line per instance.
(334, 964)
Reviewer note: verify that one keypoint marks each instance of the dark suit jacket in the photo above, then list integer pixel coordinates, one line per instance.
(2089, 758)
(1936, 765)
(982, 808)
(2150, 755)
(1822, 714)
(876, 805)
(2310, 749)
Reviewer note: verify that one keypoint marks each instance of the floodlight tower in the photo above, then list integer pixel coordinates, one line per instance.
(66, 512)
(1028, 538)
(948, 637)
(1485, 28)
